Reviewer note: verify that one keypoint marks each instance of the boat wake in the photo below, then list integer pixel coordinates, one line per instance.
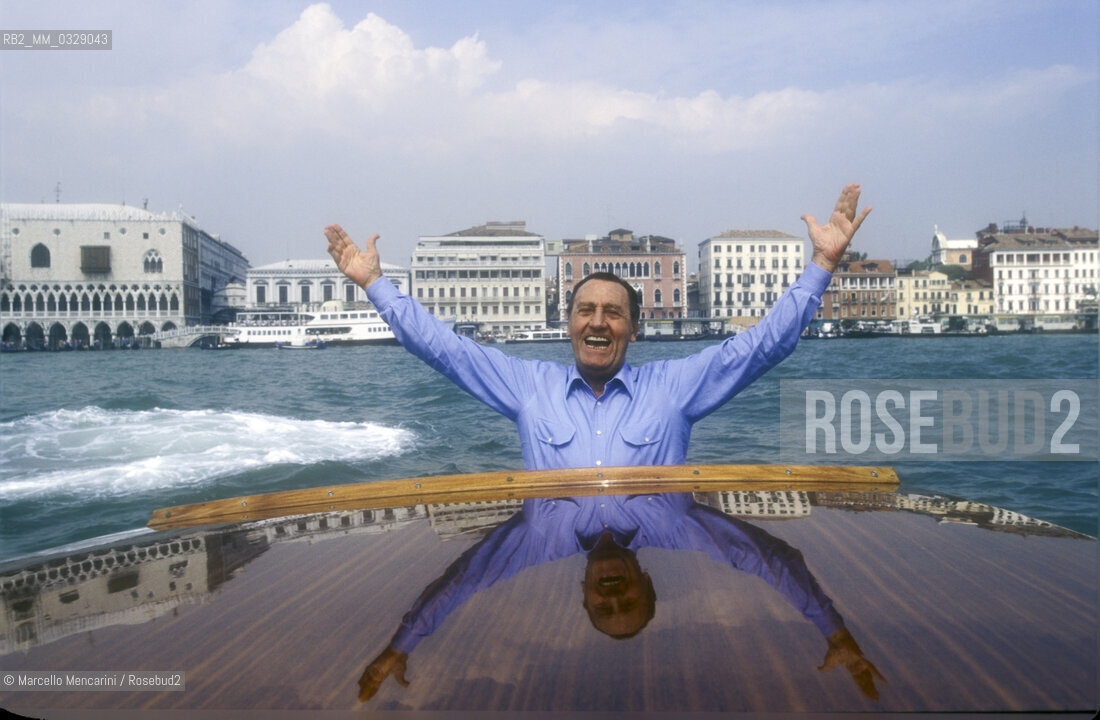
(94, 452)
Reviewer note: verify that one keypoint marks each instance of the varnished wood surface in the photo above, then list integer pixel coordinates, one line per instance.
(957, 617)
(526, 484)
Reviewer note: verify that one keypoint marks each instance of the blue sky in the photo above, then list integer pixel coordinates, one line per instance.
(268, 120)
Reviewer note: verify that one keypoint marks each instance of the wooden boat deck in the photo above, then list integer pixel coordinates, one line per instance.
(960, 610)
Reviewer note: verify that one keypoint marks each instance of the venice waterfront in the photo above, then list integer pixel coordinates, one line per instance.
(92, 442)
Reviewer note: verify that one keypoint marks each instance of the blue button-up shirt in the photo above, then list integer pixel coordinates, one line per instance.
(644, 416)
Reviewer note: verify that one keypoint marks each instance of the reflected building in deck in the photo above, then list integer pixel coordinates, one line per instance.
(759, 504)
(134, 583)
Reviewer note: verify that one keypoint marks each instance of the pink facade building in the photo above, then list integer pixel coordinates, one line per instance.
(653, 265)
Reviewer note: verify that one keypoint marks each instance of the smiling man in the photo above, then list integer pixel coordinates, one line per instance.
(603, 321)
(601, 411)
(618, 595)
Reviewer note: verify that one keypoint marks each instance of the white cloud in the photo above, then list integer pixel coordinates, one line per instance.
(607, 119)
(370, 86)
(317, 58)
(706, 122)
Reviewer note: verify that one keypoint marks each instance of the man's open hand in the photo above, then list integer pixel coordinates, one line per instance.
(390, 662)
(831, 240)
(843, 650)
(362, 267)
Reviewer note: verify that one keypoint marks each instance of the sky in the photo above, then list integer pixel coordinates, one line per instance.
(267, 121)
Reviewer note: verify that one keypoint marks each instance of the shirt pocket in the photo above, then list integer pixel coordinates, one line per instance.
(643, 432)
(553, 433)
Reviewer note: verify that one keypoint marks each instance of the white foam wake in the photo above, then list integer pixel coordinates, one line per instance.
(97, 452)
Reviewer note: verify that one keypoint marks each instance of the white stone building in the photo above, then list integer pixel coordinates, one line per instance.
(302, 282)
(743, 272)
(1030, 282)
(952, 252)
(1042, 277)
(95, 274)
(489, 277)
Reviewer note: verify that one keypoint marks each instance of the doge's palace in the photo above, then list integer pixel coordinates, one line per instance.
(99, 275)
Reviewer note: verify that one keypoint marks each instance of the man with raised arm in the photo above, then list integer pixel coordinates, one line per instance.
(601, 411)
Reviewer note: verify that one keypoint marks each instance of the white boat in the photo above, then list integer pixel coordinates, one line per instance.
(330, 323)
(921, 326)
(538, 336)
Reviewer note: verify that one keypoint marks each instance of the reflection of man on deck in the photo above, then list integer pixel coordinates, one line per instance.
(617, 594)
(601, 411)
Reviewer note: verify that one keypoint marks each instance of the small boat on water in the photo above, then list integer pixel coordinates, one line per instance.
(547, 335)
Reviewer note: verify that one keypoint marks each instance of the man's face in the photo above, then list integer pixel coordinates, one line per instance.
(617, 594)
(600, 329)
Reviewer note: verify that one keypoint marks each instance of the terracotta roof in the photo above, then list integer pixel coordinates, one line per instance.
(866, 266)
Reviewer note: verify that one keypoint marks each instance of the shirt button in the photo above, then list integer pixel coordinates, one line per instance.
(601, 504)
(605, 524)
(599, 432)
(599, 462)
(647, 439)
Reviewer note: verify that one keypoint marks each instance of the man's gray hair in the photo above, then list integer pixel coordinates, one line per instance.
(631, 293)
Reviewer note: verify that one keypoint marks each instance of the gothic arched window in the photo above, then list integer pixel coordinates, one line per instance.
(40, 256)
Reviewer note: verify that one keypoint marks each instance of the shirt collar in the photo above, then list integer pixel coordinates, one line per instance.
(623, 537)
(624, 379)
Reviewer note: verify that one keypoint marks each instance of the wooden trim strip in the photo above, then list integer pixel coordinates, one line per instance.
(526, 484)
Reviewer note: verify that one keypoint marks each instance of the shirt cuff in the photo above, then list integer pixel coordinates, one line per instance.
(405, 639)
(828, 622)
(382, 292)
(816, 279)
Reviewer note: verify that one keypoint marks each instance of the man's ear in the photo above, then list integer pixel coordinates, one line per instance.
(651, 592)
(634, 329)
